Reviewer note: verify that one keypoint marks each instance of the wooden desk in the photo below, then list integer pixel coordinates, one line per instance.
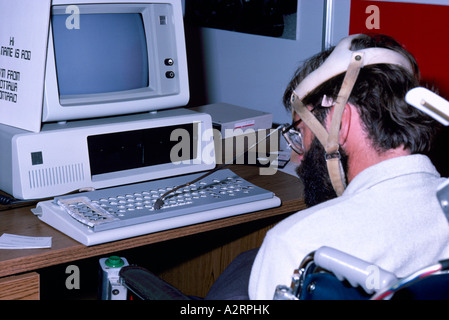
(21, 221)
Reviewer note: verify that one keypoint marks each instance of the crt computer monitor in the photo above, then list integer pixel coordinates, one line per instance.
(110, 61)
(109, 58)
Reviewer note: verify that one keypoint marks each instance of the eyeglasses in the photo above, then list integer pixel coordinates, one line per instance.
(293, 136)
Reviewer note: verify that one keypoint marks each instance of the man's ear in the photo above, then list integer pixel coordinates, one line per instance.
(345, 124)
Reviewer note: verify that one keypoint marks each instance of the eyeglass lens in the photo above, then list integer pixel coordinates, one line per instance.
(293, 137)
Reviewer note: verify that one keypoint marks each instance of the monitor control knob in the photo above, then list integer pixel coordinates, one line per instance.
(170, 74)
(169, 62)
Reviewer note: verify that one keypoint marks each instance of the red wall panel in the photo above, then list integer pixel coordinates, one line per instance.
(421, 28)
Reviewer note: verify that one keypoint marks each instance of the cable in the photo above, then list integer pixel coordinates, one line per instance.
(8, 200)
(5, 200)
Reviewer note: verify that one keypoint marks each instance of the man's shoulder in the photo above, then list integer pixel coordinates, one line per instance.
(313, 214)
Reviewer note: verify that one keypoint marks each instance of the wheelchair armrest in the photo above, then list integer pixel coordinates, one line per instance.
(356, 271)
(148, 286)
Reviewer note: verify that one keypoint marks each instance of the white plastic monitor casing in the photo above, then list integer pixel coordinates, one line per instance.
(65, 163)
(164, 41)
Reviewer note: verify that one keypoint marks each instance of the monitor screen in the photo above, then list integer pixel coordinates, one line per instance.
(90, 59)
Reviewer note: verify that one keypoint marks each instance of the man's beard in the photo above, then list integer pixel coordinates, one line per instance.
(314, 174)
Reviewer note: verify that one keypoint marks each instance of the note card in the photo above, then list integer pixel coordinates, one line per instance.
(12, 241)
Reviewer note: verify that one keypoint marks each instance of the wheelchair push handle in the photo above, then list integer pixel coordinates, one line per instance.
(356, 271)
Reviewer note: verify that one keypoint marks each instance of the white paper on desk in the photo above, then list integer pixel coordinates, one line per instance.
(12, 241)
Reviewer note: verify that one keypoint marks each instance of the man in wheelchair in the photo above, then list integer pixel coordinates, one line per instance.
(358, 139)
(369, 187)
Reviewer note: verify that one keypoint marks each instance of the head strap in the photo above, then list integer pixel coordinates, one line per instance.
(341, 60)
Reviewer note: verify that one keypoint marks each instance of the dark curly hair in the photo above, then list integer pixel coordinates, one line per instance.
(379, 94)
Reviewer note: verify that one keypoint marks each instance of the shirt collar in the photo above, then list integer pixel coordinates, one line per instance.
(389, 169)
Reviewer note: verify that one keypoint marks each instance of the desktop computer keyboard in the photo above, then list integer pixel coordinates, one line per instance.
(126, 211)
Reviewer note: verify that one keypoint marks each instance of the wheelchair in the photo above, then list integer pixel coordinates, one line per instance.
(325, 274)
(330, 274)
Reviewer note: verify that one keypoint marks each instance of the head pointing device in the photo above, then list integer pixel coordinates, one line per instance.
(341, 60)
